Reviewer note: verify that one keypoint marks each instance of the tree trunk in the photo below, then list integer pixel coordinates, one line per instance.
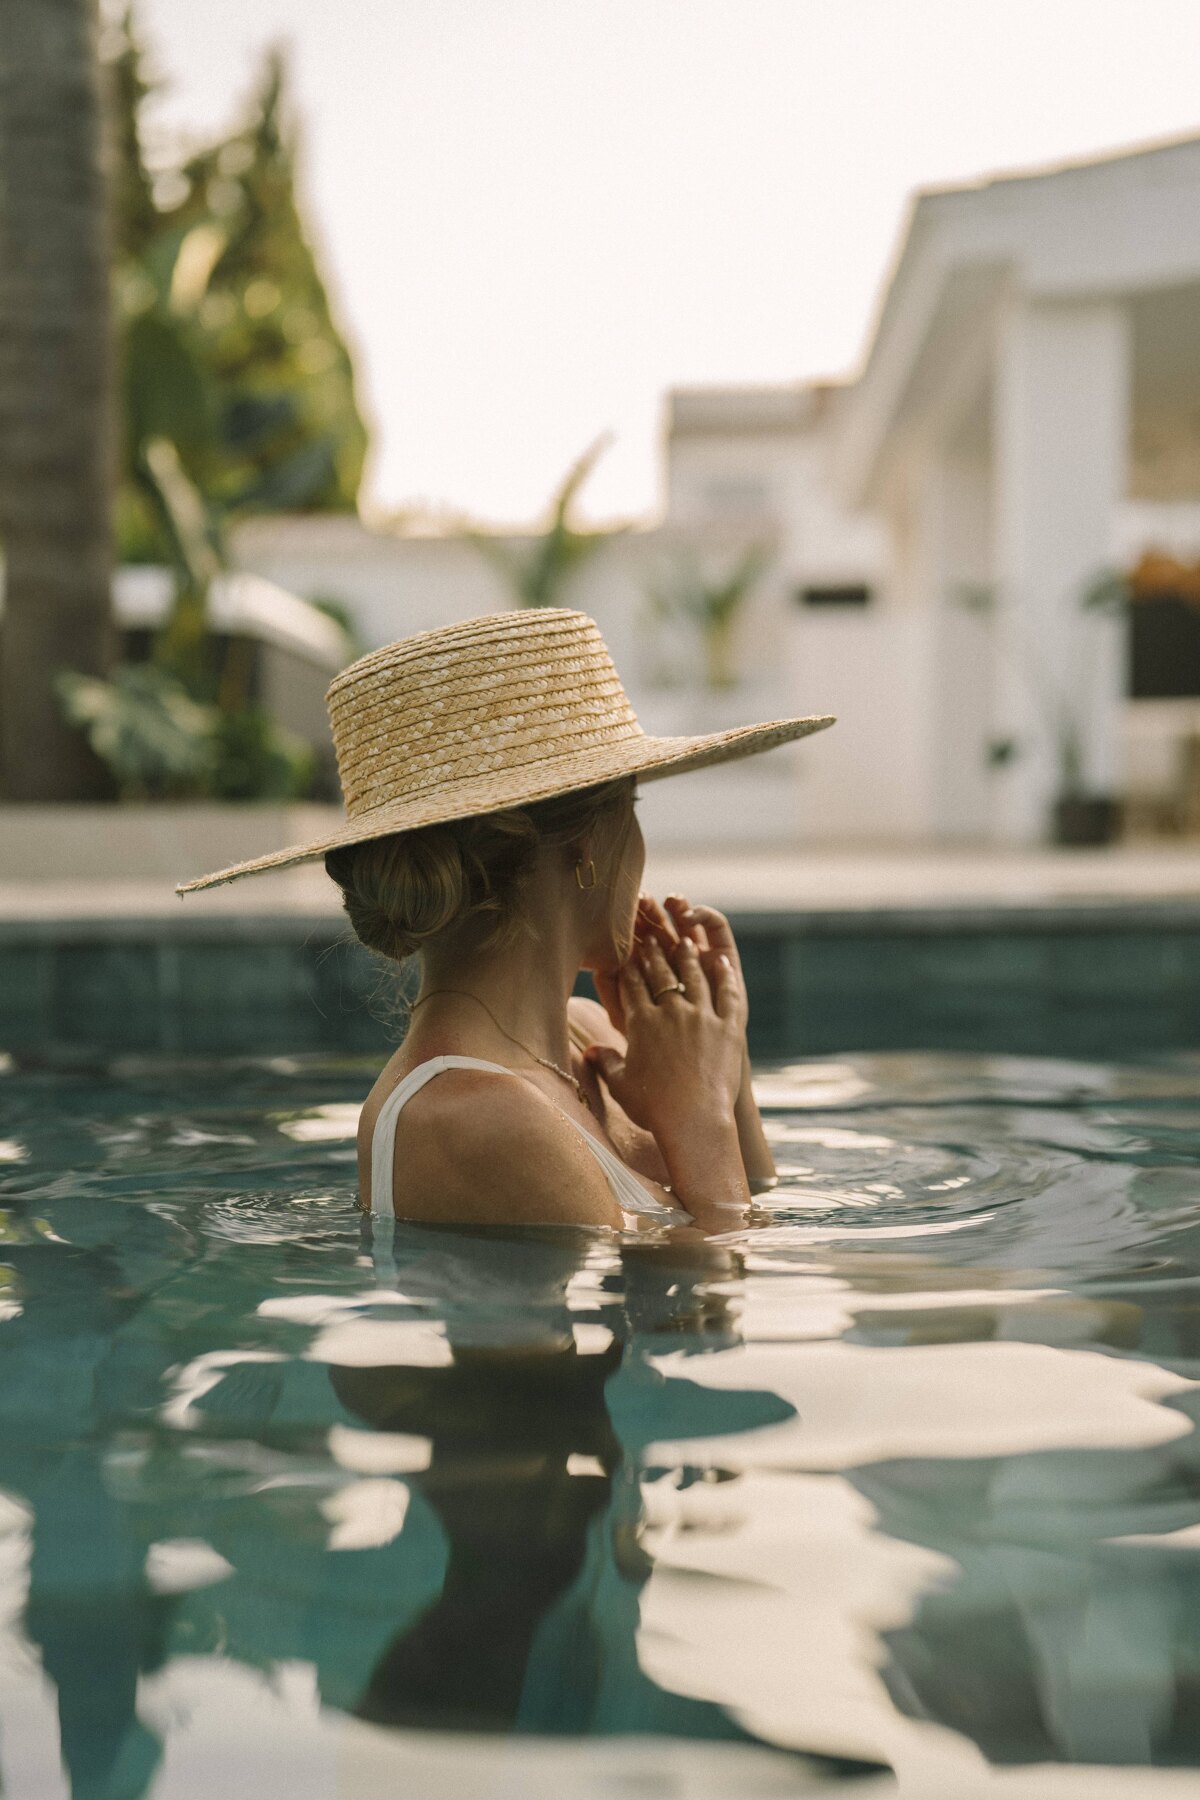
(56, 391)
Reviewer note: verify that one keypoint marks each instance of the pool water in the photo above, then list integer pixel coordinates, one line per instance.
(895, 1489)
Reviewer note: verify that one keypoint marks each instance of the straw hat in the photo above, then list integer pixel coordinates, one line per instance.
(498, 711)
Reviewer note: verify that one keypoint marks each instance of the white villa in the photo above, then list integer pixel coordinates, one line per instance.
(1027, 419)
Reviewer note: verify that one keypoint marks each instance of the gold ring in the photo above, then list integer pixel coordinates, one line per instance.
(676, 987)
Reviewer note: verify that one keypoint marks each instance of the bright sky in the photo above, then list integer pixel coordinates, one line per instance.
(538, 215)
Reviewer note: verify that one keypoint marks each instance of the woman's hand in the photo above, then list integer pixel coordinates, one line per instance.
(681, 1071)
(705, 926)
(650, 921)
(682, 1066)
(711, 930)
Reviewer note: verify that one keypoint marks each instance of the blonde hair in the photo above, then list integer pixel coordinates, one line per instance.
(403, 891)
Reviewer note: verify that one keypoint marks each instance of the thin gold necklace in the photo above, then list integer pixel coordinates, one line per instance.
(545, 1061)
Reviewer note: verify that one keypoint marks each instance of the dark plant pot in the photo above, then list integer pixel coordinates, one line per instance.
(1082, 820)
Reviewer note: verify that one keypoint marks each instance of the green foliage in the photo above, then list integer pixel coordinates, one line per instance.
(711, 603)
(343, 618)
(255, 759)
(707, 600)
(1108, 592)
(976, 597)
(538, 576)
(183, 646)
(155, 740)
(238, 397)
(229, 348)
(135, 216)
(159, 743)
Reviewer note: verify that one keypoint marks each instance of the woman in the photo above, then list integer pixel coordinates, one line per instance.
(489, 771)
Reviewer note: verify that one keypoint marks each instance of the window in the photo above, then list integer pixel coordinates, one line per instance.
(740, 496)
(1164, 648)
(846, 594)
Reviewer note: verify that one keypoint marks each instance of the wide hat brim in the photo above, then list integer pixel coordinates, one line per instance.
(650, 758)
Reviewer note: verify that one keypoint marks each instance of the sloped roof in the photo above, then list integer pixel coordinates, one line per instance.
(1116, 224)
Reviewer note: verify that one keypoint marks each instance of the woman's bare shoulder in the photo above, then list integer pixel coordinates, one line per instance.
(479, 1146)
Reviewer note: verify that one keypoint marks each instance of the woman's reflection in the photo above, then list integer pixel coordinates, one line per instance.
(508, 1600)
(505, 1427)
(90, 1613)
(535, 1625)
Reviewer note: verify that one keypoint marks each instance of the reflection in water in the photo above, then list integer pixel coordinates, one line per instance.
(534, 1625)
(1066, 1646)
(89, 1611)
(902, 1476)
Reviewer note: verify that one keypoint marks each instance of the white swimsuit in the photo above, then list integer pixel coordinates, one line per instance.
(627, 1190)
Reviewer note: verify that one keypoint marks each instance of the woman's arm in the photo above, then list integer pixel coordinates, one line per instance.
(590, 1025)
(757, 1159)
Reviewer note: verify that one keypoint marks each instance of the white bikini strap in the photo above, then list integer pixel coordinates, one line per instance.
(383, 1138)
(627, 1190)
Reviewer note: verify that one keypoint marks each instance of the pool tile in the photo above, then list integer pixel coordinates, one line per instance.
(1074, 991)
(354, 996)
(26, 995)
(106, 994)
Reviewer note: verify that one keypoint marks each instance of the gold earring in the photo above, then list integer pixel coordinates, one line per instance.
(585, 885)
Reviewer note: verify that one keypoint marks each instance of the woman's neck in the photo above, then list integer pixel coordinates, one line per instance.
(516, 995)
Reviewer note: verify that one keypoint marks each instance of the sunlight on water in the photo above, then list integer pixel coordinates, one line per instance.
(898, 1482)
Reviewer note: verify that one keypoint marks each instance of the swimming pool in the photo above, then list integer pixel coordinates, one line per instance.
(899, 1482)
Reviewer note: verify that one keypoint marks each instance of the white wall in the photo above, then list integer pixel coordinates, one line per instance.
(777, 483)
(1080, 289)
(1169, 526)
(393, 585)
(790, 660)
(863, 779)
(1061, 470)
(858, 780)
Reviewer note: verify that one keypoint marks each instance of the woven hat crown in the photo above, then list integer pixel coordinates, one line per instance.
(499, 711)
(486, 697)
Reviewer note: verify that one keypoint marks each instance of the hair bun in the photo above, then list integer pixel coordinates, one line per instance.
(399, 892)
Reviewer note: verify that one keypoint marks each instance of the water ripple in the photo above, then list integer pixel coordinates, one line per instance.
(903, 1475)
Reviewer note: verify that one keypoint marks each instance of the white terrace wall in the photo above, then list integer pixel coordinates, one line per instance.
(1036, 368)
(755, 463)
(848, 783)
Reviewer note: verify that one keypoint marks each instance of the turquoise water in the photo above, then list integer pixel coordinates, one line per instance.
(896, 1489)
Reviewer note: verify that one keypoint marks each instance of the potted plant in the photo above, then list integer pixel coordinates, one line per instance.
(1079, 815)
